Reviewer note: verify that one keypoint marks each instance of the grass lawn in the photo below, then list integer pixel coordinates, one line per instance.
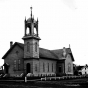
(71, 83)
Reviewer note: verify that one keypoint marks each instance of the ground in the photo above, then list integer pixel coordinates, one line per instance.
(71, 83)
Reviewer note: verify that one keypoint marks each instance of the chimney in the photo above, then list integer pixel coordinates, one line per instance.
(11, 43)
(64, 51)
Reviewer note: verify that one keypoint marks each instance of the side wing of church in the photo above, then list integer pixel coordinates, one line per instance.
(30, 58)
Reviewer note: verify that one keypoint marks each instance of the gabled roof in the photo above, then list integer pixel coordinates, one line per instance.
(43, 53)
(16, 43)
(59, 52)
(46, 53)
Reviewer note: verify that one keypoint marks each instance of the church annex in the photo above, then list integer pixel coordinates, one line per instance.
(30, 58)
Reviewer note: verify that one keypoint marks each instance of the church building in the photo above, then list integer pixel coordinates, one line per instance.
(30, 58)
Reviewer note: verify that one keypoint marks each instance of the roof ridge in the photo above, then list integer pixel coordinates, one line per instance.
(44, 48)
(60, 49)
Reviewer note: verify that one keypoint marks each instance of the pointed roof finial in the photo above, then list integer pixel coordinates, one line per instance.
(31, 11)
(69, 46)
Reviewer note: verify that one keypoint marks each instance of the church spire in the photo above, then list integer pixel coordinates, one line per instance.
(31, 11)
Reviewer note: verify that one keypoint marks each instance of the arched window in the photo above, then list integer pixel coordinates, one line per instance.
(52, 67)
(35, 32)
(35, 67)
(17, 52)
(14, 65)
(28, 47)
(28, 31)
(48, 67)
(36, 47)
(18, 64)
(43, 67)
(69, 67)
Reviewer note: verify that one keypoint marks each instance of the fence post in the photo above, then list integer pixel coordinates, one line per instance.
(55, 78)
(41, 79)
(25, 79)
(50, 78)
(45, 78)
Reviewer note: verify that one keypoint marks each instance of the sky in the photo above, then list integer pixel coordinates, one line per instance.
(61, 22)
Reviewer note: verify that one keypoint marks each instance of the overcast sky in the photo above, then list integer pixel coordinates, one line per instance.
(61, 22)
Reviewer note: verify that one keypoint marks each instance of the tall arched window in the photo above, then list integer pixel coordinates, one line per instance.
(36, 47)
(69, 67)
(35, 32)
(43, 67)
(27, 31)
(35, 67)
(18, 64)
(28, 47)
(14, 64)
(48, 67)
(52, 67)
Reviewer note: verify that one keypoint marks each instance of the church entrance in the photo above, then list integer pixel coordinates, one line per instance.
(60, 67)
(28, 67)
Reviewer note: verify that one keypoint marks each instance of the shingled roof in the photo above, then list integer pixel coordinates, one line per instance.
(59, 52)
(43, 53)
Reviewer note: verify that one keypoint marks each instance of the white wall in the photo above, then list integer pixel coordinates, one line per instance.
(84, 70)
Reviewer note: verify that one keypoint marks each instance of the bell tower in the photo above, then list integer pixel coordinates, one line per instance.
(31, 37)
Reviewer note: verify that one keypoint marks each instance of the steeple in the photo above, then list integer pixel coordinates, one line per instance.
(31, 37)
(31, 25)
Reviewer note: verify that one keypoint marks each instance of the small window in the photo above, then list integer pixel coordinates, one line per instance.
(17, 52)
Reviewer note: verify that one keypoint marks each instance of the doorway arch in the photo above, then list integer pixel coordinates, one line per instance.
(28, 68)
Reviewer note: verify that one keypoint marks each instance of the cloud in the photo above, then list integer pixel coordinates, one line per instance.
(70, 3)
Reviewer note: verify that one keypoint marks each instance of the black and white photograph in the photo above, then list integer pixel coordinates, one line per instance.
(43, 43)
